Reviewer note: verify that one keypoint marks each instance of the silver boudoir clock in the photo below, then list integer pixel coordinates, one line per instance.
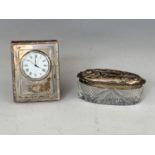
(35, 68)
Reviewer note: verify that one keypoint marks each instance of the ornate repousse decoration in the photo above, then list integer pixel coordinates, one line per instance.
(107, 78)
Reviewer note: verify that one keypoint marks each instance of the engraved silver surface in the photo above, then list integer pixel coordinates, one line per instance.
(26, 89)
(109, 96)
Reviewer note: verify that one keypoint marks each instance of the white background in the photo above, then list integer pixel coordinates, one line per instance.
(83, 144)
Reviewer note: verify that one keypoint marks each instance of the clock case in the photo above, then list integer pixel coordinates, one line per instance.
(27, 90)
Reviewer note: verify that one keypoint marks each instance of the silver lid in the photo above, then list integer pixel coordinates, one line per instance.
(114, 79)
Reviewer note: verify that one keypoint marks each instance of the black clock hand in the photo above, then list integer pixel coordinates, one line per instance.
(36, 66)
(35, 61)
(40, 68)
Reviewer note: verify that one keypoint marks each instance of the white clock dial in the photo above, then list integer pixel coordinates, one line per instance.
(35, 65)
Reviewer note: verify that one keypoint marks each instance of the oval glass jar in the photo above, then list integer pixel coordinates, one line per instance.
(107, 86)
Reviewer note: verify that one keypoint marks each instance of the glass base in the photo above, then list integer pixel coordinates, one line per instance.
(109, 96)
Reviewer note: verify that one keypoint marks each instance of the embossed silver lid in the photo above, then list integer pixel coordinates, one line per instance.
(113, 79)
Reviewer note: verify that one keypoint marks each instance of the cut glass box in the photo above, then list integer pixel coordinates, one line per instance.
(107, 86)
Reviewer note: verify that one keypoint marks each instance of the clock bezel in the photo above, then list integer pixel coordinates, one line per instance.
(35, 79)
